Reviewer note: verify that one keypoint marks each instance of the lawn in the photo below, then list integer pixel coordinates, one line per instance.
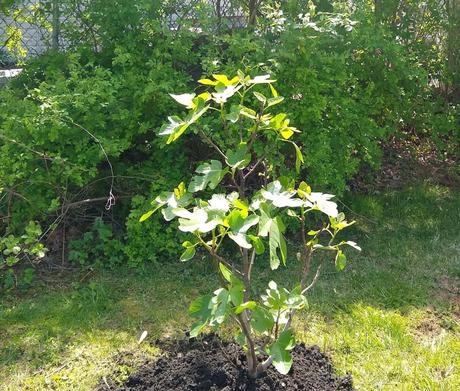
(391, 318)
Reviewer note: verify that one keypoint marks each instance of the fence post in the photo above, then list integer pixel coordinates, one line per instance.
(56, 25)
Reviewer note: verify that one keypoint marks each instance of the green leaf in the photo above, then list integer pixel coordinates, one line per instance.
(240, 239)
(174, 129)
(340, 260)
(196, 114)
(279, 121)
(276, 242)
(247, 112)
(298, 157)
(234, 114)
(304, 190)
(240, 222)
(188, 254)
(211, 174)
(296, 301)
(145, 216)
(238, 158)
(260, 97)
(258, 244)
(261, 320)
(177, 126)
(220, 303)
(249, 305)
(280, 351)
(200, 308)
(274, 92)
(274, 101)
(185, 100)
(236, 292)
(240, 339)
(226, 273)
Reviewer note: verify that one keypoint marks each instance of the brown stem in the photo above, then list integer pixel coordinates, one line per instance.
(252, 169)
(251, 353)
(251, 264)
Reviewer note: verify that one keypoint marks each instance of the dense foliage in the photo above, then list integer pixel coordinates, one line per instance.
(75, 127)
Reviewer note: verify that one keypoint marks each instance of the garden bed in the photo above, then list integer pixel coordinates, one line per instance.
(212, 364)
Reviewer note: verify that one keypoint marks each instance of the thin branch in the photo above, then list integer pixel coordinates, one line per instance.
(314, 281)
(110, 198)
(251, 264)
(214, 145)
(248, 173)
(90, 201)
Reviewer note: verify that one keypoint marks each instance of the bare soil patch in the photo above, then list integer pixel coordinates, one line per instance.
(213, 364)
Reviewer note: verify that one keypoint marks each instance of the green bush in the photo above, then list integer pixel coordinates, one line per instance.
(19, 255)
(348, 84)
(97, 247)
(155, 240)
(57, 115)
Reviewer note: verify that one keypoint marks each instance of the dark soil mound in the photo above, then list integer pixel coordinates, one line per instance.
(211, 364)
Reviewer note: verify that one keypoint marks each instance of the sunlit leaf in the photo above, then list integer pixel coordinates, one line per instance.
(145, 216)
(226, 273)
(353, 244)
(322, 202)
(249, 305)
(274, 101)
(207, 82)
(185, 100)
(280, 351)
(340, 260)
(262, 79)
(279, 197)
(240, 239)
(260, 97)
(188, 254)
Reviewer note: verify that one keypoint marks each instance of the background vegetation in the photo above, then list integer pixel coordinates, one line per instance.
(369, 83)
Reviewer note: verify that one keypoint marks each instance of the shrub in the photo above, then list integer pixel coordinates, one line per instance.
(19, 255)
(349, 84)
(249, 218)
(68, 115)
(97, 247)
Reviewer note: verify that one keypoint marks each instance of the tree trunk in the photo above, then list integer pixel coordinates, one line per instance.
(453, 47)
(56, 25)
(253, 7)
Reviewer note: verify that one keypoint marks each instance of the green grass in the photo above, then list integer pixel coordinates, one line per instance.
(390, 319)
